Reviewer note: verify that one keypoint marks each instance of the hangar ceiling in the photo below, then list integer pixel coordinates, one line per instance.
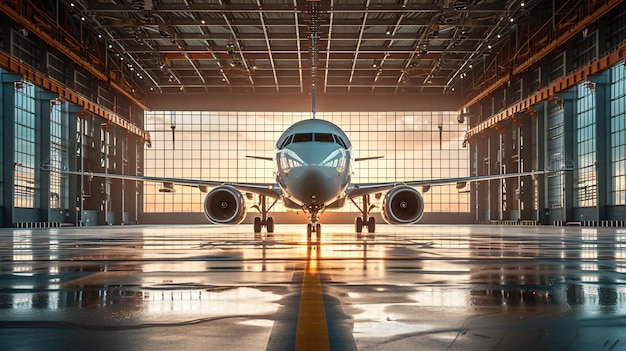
(278, 46)
(450, 52)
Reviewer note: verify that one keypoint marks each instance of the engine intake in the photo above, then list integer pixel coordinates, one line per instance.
(403, 205)
(225, 205)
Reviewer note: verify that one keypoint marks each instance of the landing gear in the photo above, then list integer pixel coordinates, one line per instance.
(364, 220)
(358, 224)
(314, 227)
(264, 220)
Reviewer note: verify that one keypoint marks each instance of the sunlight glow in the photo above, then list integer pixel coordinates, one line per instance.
(214, 146)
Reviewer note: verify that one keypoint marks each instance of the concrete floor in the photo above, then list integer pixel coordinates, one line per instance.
(418, 287)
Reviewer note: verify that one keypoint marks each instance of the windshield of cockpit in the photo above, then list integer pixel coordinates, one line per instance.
(313, 137)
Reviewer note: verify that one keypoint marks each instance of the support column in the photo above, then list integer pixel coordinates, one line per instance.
(479, 203)
(526, 185)
(538, 154)
(42, 156)
(100, 188)
(131, 145)
(495, 164)
(510, 159)
(603, 143)
(569, 147)
(74, 140)
(139, 170)
(116, 165)
(7, 149)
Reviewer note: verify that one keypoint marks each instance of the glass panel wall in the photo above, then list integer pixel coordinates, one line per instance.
(58, 156)
(585, 177)
(618, 135)
(214, 145)
(24, 165)
(555, 150)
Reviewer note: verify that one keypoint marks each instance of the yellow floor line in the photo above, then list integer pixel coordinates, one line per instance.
(312, 331)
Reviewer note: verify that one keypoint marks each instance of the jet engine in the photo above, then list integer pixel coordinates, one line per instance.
(225, 205)
(403, 205)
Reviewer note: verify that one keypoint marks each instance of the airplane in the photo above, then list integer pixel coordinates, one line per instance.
(313, 168)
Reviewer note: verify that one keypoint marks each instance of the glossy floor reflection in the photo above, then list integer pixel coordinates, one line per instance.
(416, 287)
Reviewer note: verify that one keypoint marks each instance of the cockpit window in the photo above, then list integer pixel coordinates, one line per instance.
(340, 141)
(303, 137)
(286, 142)
(324, 137)
(308, 137)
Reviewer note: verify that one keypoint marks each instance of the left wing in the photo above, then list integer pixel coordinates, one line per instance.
(356, 190)
(269, 190)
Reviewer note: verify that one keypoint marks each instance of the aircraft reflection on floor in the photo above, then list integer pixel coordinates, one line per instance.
(405, 283)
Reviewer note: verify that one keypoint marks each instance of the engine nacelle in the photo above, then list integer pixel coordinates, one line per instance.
(225, 205)
(403, 205)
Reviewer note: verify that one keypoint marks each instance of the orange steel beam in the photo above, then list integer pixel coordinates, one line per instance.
(611, 4)
(546, 93)
(70, 95)
(69, 53)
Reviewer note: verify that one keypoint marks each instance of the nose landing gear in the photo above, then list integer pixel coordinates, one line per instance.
(314, 227)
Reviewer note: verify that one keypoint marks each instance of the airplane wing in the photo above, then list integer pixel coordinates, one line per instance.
(356, 190)
(267, 189)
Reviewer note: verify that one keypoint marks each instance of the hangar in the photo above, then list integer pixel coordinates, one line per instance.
(424, 89)
(457, 87)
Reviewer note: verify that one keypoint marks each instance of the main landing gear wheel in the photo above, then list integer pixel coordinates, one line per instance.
(358, 225)
(264, 220)
(269, 224)
(257, 224)
(365, 219)
(260, 223)
(371, 225)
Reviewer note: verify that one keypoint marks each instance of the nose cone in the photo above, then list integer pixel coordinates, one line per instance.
(315, 184)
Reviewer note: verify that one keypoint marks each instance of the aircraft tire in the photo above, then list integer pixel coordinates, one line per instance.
(270, 224)
(371, 225)
(257, 224)
(309, 229)
(358, 225)
(318, 232)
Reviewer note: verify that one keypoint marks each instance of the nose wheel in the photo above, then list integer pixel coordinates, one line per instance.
(313, 226)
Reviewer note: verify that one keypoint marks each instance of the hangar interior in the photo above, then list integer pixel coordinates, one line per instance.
(440, 88)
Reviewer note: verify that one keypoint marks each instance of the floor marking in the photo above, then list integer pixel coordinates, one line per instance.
(312, 332)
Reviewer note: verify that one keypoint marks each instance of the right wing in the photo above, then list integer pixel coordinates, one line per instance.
(356, 190)
(267, 189)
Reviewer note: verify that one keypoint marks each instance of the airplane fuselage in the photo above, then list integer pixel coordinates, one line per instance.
(313, 165)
